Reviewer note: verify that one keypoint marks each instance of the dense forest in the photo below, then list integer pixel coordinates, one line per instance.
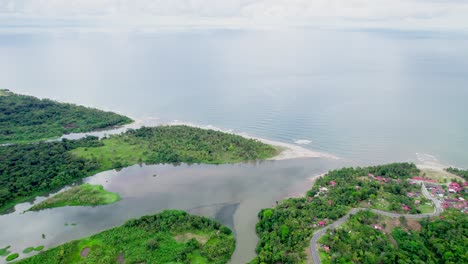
(26, 118)
(285, 230)
(167, 237)
(28, 170)
(358, 241)
(173, 144)
(459, 172)
(440, 240)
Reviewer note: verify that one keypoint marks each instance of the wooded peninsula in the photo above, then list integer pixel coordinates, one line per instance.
(26, 118)
(28, 170)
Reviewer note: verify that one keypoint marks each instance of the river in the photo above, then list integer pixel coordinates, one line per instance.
(366, 97)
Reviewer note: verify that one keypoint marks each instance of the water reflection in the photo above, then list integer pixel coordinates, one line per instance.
(233, 194)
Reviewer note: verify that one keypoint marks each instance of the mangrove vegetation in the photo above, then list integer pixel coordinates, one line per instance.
(81, 195)
(168, 237)
(28, 170)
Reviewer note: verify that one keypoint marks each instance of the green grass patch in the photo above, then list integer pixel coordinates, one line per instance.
(426, 208)
(82, 195)
(149, 239)
(12, 257)
(324, 257)
(4, 251)
(28, 250)
(4, 92)
(38, 248)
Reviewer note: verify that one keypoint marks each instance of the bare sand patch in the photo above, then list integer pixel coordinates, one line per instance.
(300, 189)
(308, 256)
(85, 252)
(414, 224)
(120, 258)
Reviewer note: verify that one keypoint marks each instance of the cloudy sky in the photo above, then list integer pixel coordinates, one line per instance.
(126, 14)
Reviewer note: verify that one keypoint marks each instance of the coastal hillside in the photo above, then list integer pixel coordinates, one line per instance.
(168, 237)
(27, 118)
(392, 190)
(28, 170)
(371, 238)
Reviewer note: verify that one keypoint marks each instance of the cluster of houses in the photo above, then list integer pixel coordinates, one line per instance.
(379, 178)
(450, 198)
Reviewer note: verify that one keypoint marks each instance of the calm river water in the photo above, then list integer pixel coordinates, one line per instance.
(365, 96)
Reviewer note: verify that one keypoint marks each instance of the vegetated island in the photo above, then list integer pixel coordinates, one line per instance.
(28, 170)
(285, 231)
(27, 118)
(168, 237)
(81, 195)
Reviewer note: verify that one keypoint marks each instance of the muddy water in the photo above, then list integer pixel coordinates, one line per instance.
(232, 194)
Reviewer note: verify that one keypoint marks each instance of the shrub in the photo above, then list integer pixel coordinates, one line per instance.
(12, 257)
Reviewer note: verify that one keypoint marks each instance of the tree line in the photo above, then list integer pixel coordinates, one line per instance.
(286, 229)
(27, 118)
(28, 170)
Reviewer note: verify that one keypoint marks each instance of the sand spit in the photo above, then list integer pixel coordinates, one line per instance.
(289, 151)
(300, 189)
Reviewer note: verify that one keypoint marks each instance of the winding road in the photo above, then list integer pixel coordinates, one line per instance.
(313, 242)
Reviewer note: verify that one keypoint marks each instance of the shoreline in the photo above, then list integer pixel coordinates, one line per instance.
(300, 189)
(289, 150)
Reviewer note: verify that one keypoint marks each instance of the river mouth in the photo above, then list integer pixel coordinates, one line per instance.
(232, 194)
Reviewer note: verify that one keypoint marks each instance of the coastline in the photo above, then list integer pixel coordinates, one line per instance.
(288, 150)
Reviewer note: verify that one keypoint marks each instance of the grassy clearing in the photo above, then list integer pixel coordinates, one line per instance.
(149, 239)
(4, 92)
(28, 250)
(439, 175)
(4, 251)
(115, 152)
(38, 248)
(82, 195)
(426, 208)
(324, 257)
(12, 257)
(185, 237)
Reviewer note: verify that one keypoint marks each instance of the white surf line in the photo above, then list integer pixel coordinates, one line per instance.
(289, 151)
(428, 161)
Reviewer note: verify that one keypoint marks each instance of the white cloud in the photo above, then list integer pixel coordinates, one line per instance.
(411, 14)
